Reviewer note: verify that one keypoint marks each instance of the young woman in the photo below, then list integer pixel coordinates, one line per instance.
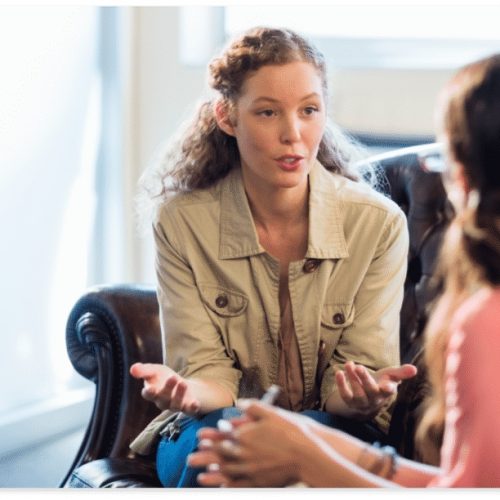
(274, 264)
(463, 342)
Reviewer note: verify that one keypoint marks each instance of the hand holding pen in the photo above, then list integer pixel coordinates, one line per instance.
(255, 442)
(222, 437)
(269, 397)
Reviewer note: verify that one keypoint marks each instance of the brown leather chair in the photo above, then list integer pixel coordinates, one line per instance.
(112, 327)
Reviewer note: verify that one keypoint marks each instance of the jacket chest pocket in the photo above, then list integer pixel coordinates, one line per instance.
(226, 309)
(223, 302)
(335, 318)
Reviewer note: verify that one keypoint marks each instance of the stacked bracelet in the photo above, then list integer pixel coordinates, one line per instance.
(385, 464)
(389, 456)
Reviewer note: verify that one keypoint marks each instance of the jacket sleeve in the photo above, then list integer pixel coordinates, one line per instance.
(192, 346)
(373, 337)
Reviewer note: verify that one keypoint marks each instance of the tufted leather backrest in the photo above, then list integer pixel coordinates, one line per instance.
(421, 195)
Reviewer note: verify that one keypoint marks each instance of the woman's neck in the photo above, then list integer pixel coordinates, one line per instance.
(282, 222)
(279, 207)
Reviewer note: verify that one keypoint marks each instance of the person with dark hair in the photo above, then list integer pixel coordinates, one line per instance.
(272, 447)
(276, 263)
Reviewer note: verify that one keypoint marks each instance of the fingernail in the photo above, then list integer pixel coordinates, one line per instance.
(206, 443)
(227, 444)
(243, 404)
(213, 467)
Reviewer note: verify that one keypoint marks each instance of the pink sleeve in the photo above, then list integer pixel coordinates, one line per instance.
(471, 448)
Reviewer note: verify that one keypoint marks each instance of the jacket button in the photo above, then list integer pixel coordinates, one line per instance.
(311, 265)
(338, 318)
(221, 301)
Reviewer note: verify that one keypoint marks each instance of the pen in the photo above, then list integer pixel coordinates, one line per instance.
(271, 394)
(269, 398)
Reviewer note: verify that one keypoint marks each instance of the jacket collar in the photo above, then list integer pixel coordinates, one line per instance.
(238, 236)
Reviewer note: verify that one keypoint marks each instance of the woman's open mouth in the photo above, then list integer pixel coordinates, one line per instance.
(289, 162)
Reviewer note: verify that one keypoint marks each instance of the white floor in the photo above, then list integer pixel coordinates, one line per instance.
(42, 466)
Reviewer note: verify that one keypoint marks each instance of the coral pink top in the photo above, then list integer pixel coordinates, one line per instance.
(470, 456)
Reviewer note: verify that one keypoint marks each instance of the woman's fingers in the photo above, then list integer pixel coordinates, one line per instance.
(343, 386)
(210, 434)
(202, 458)
(351, 387)
(148, 371)
(369, 383)
(212, 479)
(358, 391)
(177, 391)
(389, 378)
(165, 388)
(376, 394)
(227, 449)
(192, 407)
(404, 372)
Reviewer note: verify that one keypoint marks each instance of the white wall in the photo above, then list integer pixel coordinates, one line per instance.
(161, 93)
(384, 101)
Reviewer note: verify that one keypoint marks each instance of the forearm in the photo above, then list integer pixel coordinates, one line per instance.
(360, 456)
(324, 466)
(210, 394)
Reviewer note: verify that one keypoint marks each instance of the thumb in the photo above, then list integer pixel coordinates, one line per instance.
(254, 409)
(407, 371)
(143, 370)
(399, 373)
(136, 370)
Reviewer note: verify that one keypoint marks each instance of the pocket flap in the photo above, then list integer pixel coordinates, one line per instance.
(223, 301)
(338, 315)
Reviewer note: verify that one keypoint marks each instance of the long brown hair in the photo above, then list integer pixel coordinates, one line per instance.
(470, 254)
(202, 153)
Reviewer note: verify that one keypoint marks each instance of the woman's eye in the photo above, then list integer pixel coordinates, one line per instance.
(309, 110)
(266, 112)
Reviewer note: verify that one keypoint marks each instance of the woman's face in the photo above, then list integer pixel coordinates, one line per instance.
(278, 124)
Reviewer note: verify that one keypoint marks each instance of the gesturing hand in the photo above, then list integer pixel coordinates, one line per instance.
(367, 393)
(165, 388)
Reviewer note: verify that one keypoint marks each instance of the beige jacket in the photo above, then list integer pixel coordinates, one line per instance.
(218, 288)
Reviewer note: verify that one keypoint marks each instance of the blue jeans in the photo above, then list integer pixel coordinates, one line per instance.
(172, 453)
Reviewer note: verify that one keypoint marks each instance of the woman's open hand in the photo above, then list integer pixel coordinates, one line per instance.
(165, 388)
(367, 393)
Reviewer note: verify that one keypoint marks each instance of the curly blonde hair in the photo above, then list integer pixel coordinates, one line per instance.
(470, 254)
(202, 153)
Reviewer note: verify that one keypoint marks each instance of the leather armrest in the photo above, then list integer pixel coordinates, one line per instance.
(115, 473)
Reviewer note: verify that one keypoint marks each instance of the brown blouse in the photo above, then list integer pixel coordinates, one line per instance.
(290, 375)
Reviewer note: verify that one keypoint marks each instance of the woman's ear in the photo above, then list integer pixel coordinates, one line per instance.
(223, 117)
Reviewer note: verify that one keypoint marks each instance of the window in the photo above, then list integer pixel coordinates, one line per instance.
(374, 36)
(51, 151)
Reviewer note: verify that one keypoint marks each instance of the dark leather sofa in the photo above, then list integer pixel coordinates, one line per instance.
(111, 327)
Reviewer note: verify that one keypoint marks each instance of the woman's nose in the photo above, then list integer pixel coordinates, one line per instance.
(290, 131)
